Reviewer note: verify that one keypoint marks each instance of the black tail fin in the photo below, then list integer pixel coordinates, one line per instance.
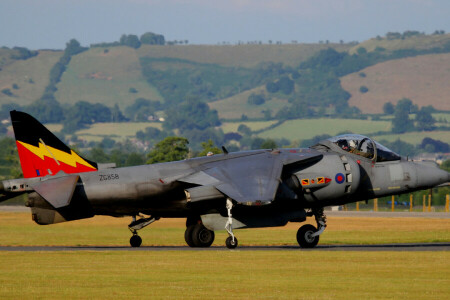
(41, 153)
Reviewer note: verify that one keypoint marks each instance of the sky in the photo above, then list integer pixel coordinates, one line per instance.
(50, 24)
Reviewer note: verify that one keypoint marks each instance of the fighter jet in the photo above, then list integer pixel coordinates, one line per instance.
(249, 189)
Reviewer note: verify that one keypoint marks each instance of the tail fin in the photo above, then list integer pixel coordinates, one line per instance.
(41, 153)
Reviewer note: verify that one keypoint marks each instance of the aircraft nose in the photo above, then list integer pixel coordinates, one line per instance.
(430, 175)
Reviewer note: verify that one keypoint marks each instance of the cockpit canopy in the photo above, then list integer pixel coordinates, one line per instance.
(364, 146)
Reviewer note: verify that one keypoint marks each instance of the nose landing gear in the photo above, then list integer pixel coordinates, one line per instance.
(308, 235)
(231, 242)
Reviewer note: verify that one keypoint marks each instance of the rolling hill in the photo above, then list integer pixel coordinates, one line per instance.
(31, 77)
(424, 79)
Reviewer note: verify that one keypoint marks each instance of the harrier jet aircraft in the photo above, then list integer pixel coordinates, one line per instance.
(260, 188)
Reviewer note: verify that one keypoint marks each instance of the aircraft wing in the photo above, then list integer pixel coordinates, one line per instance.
(251, 179)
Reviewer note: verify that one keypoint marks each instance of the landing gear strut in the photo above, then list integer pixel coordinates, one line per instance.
(135, 225)
(231, 242)
(308, 235)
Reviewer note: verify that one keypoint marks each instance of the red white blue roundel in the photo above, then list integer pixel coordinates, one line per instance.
(340, 178)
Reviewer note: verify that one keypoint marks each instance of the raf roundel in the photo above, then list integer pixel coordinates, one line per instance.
(340, 178)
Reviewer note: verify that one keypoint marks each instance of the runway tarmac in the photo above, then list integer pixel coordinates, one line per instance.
(382, 247)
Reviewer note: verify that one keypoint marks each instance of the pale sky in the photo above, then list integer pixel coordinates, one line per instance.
(49, 24)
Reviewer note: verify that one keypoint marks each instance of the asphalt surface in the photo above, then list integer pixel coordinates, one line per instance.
(329, 213)
(384, 247)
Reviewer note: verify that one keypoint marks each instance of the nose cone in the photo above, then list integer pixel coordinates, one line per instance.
(429, 175)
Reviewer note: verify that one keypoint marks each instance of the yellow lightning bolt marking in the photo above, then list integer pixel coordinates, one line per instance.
(70, 159)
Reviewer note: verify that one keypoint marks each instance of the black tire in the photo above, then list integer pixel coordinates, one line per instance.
(135, 241)
(304, 238)
(202, 236)
(230, 244)
(188, 235)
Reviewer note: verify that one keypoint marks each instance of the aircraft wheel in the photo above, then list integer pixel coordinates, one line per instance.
(304, 238)
(135, 241)
(202, 236)
(230, 244)
(188, 235)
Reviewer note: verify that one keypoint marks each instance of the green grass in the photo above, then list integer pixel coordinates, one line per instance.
(418, 42)
(308, 128)
(17, 229)
(225, 274)
(20, 72)
(234, 107)
(416, 137)
(253, 125)
(106, 78)
(116, 131)
(442, 116)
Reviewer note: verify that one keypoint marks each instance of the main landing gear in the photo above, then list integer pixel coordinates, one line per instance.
(197, 235)
(136, 240)
(308, 235)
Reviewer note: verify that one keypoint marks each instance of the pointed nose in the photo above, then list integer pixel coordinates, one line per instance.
(430, 175)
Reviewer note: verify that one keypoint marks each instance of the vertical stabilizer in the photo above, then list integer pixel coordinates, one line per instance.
(41, 153)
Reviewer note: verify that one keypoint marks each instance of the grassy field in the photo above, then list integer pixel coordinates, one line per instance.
(17, 229)
(253, 125)
(116, 131)
(417, 42)
(416, 137)
(31, 76)
(222, 274)
(308, 128)
(234, 107)
(423, 79)
(225, 275)
(106, 78)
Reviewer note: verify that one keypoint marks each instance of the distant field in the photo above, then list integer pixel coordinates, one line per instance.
(99, 77)
(235, 106)
(31, 76)
(443, 116)
(423, 79)
(417, 42)
(258, 125)
(416, 137)
(239, 55)
(116, 131)
(308, 128)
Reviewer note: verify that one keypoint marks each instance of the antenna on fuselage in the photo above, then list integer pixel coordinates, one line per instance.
(225, 151)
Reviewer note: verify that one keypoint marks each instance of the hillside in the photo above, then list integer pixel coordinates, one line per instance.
(234, 107)
(247, 56)
(31, 77)
(99, 77)
(423, 79)
(419, 42)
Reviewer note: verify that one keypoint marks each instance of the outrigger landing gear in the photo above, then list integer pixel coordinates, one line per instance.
(136, 240)
(231, 242)
(308, 235)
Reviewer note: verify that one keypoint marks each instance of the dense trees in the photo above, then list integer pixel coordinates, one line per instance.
(192, 114)
(150, 38)
(170, 149)
(130, 40)
(424, 119)
(142, 109)
(388, 108)
(401, 122)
